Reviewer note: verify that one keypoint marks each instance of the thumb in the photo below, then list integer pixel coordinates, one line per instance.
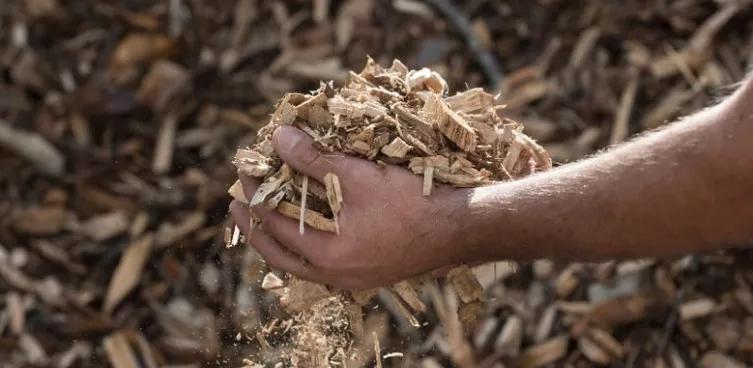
(296, 149)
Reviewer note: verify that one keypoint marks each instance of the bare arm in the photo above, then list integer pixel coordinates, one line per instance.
(685, 188)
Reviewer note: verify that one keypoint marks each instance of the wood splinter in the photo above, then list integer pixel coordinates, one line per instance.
(334, 196)
(304, 195)
(428, 180)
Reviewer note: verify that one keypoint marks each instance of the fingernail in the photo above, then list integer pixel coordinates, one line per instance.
(288, 138)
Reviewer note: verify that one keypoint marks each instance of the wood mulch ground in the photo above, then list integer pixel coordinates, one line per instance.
(119, 122)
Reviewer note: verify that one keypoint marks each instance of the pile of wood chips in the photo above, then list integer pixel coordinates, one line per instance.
(394, 116)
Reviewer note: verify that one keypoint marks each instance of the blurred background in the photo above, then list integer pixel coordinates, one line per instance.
(118, 121)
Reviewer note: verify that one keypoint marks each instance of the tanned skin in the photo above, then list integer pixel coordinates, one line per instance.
(685, 188)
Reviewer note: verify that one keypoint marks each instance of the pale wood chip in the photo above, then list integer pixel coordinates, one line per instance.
(397, 148)
(381, 140)
(488, 134)
(445, 305)
(377, 351)
(17, 313)
(252, 163)
(139, 224)
(334, 193)
(119, 351)
(424, 79)
(236, 191)
(106, 226)
(265, 190)
(509, 341)
(545, 324)
(484, 333)
(454, 127)
(697, 308)
(470, 101)
(544, 353)
(410, 296)
(428, 180)
(304, 196)
(399, 68)
(594, 352)
(34, 351)
(165, 145)
(397, 303)
(320, 117)
(313, 218)
(303, 294)
(304, 108)
(361, 147)
(285, 113)
(128, 272)
(465, 284)
(349, 109)
(363, 297)
(513, 154)
(373, 109)
(271, 281)
(508, 133)
(607, 341)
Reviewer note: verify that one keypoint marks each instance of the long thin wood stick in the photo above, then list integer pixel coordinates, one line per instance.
(305, 190)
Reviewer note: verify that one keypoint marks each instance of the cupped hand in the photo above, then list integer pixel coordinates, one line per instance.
(389, 231)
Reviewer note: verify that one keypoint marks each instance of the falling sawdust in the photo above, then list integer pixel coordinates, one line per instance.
(321, 335)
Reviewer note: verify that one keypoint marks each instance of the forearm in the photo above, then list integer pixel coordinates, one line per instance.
(686, 188)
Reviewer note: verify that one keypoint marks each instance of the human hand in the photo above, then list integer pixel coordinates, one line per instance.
(389, 231)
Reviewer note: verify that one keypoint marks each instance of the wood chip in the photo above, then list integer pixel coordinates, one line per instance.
(17, 313)
(457, 130)
(271, 281)
(397, 148)
(697, 308)
(119, 352)
(465, 284)
(312, 218)
(128, 272)
(106, 226)
(410, 296)
(428, 180)
(544, 353)
(510, 339)
(303, 294)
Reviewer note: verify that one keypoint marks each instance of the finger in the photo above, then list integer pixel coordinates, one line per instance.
(310, 245)
(274, 254)
(249, 184)
(296, 148)
(241, 216)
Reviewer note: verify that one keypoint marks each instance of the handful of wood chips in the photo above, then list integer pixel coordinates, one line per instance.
(394, 116)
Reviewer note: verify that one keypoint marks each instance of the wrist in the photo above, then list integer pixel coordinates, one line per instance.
(482, 229)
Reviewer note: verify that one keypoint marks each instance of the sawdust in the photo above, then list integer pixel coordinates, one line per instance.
(321, 335)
